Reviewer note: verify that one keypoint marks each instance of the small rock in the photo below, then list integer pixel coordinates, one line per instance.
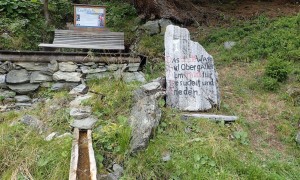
(114, 67)
(64, 135)
(46, 84)
(8, 100)
(80, 89)
(118, 170)
(133, 67)
(229, 44)
(77, 101)
(67, 66)
(32, 66)
(67, 76)
(6, 67)
(38, 77)
(88, 70)
(166, 157)
(23, 88)
(89, 63)
(7, 93)
(87, 123)
(33, 122)
(111, 176)
(81, 113)
(134, 76)
(51, 136)
(5, 36)
(62, 86)
(53, 66)
(17, 76)
(2, 81)
(298, 138)
(151, 86)
(98, 75)
(23, 104)
(22, 99)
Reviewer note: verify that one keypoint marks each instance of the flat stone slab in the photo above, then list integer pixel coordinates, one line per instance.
(31, 66)
(23, 88)
(80, 112)
(80, 89)
(67, 66)
(22, 99)
(79, 99)
(151, 86)
(67, 76)
(210, 117)
(87, 123)
(7, 93)
(38, 77)
(88, 70)
(17, 76)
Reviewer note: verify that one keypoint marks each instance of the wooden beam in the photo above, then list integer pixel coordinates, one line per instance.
(74, 155)
(64, 57)
(212, 117)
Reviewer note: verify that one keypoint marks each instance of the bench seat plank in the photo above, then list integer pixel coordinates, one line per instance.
(87, 40)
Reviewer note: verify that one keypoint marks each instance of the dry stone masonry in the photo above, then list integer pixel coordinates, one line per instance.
(192, 82)
(22, 78)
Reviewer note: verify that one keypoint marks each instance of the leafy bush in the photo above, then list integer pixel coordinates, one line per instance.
(269, 83)
(277, 69)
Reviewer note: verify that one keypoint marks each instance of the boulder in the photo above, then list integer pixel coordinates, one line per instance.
(38, 77)
(151, 27)
(23, 88)
(145, 117)
(33, 66)
(163, 23)
(17, 76)
(192, 80)
(67, 66)
(67, 76)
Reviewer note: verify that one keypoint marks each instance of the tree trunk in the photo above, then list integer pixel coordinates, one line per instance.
(46, 12)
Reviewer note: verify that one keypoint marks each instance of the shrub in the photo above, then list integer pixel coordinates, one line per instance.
(269, 83)
(277, 69)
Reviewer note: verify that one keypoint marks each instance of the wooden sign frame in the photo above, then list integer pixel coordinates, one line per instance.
(89, 16)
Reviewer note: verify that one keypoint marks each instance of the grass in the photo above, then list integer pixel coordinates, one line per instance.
(260, 145)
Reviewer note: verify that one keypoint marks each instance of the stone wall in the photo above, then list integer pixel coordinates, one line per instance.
(22, 78)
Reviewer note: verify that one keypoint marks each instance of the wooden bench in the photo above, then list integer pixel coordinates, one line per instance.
(87, 40)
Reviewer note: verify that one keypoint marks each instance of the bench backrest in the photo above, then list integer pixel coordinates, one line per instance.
(89, 40)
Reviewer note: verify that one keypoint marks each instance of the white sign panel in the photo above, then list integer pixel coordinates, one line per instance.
(89, 16)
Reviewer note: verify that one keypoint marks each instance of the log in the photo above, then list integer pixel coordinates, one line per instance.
(64, 57)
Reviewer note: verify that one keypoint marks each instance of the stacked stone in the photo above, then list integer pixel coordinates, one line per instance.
(23, 78)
